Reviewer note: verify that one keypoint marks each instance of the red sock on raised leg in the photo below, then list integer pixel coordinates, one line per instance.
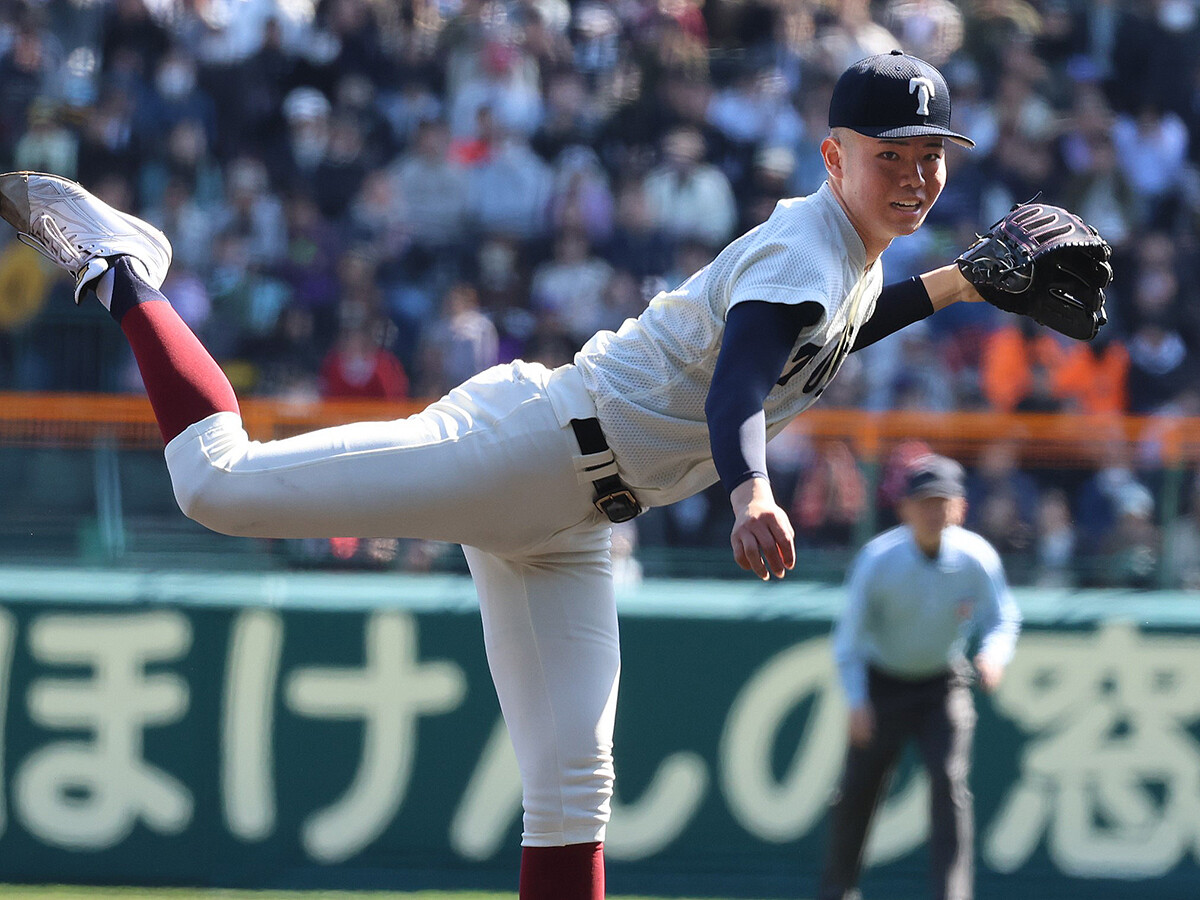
(573, 872)
(183, 382)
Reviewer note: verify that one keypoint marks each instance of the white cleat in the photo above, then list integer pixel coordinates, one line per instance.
(78, 231)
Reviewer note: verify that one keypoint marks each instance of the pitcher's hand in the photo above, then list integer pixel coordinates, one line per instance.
(762, 536)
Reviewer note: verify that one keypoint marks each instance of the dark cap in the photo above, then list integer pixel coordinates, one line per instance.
(935, 476)
(893, 95)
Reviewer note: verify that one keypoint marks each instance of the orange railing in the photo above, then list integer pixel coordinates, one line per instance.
(1048, 439)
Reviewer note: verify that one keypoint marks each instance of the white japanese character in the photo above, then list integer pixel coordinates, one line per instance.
(388, 695)
(89, 793)
(8, 637)
(247, 724)
(780, 810)
(1112, 776)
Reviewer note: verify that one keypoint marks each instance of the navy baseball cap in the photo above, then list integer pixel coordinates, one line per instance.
(893, 95)
(935, 476)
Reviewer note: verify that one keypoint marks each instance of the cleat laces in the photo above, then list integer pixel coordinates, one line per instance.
(48, 239)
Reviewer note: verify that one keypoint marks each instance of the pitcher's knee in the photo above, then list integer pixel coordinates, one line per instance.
(205, 498)
(201, 461)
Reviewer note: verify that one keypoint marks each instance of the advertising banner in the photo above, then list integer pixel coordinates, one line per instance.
(160, 741)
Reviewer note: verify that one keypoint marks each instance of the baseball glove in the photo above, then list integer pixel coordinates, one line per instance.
(1043, 262)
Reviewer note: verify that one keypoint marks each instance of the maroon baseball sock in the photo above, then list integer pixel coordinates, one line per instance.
(573, 872)
(184, 384)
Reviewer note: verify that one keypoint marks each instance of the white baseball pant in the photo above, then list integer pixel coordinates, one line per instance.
(494, 466)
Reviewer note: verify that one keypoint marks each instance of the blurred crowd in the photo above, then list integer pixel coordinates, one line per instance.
(379, 198)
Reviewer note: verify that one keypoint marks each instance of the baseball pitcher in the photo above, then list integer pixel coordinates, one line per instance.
(527, 467)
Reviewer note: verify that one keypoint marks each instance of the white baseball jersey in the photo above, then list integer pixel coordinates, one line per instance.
(649, 379)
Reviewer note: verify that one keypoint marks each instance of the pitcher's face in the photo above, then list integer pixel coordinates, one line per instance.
(886, 185)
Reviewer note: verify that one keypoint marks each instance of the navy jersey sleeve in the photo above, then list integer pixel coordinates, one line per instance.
(758, 341)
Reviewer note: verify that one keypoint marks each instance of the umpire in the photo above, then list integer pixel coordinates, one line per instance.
(918, 594)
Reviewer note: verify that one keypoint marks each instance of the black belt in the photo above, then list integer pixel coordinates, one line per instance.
(613, 496)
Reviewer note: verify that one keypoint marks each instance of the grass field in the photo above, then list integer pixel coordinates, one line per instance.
(62, 892)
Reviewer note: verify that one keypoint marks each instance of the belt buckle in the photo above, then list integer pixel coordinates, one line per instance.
(619, 506)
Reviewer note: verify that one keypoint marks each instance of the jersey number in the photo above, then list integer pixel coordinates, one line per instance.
(824, 371)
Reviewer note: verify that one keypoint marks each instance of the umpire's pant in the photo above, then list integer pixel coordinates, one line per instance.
(940, 715)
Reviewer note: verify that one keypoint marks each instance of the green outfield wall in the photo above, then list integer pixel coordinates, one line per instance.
(341, 731)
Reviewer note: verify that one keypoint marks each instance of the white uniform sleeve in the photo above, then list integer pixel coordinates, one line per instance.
(773, 272)
(997, 618)
(849, 635)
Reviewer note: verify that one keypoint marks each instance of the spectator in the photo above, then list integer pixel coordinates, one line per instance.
(809, 173)
(930, 29)
(473, 150)
(187, 158)
(46, 146)
(253, 211)
(1129, 555)
(893, 476)
(106, 141)
(461, 343)
(543, 34)
(178, 211)
(1160, 365)
(246, 303)
(176, 96)
(1162, 286)
(230, 40)
(569, 120)
(309, 265)
(355, 28)
(286, 363)
(251, 96)
(1092, 376)
(1055, 542)
(504, 293)
(767, 183)
(831, 498)
(132, 38)
(571, 286)
(755, 111)
(1041, 397)
(406, 109)
(342, 169)
(972, 105)
(359, 366)
(581, 197)
(1098, 498)
(919, 378)
(689, 198)
(690, 257)
(1151, 151)
(510, 192)
(625, 297)
(637, 242)
(1010, 355)
(432, 190)
(1002, 499)
(306, 112)
(1182, 543)
(503, 78)
(1157, 42)
(1100, 193)
(375, 221)
(852, 36)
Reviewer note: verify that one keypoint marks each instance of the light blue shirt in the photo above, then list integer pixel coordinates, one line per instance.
(912, 616)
